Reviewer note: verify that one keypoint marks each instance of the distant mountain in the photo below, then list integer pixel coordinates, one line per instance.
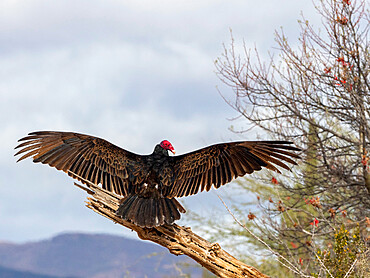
(97, 256)
(11, 273)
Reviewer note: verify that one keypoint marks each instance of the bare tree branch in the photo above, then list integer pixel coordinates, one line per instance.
(178, 240)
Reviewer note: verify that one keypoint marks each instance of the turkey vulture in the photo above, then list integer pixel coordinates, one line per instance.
(150, 183)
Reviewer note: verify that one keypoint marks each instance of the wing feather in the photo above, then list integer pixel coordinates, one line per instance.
(227, 171)
(88, 157)
(218, 164)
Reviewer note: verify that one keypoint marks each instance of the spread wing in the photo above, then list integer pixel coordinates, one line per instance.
(218, 164)
(88, 157)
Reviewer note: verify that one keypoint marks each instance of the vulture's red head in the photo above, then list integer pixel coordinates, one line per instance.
(167, 146)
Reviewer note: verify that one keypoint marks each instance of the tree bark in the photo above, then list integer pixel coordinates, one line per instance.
(178, 240)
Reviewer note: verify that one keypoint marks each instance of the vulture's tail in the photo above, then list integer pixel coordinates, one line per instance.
(149, 212)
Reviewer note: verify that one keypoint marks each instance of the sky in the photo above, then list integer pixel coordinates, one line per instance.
(132, 72)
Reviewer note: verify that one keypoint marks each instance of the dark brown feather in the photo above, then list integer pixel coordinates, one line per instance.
(89, 157)
(218, 164)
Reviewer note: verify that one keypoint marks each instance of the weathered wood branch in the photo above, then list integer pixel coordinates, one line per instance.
(178, 240)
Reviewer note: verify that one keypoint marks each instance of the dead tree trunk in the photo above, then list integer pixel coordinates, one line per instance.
(178, 240)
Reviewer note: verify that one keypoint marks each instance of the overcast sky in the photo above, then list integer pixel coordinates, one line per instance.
(132, 72)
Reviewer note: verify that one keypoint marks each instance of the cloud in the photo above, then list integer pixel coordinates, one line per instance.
(39, 25)
(132, 72)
